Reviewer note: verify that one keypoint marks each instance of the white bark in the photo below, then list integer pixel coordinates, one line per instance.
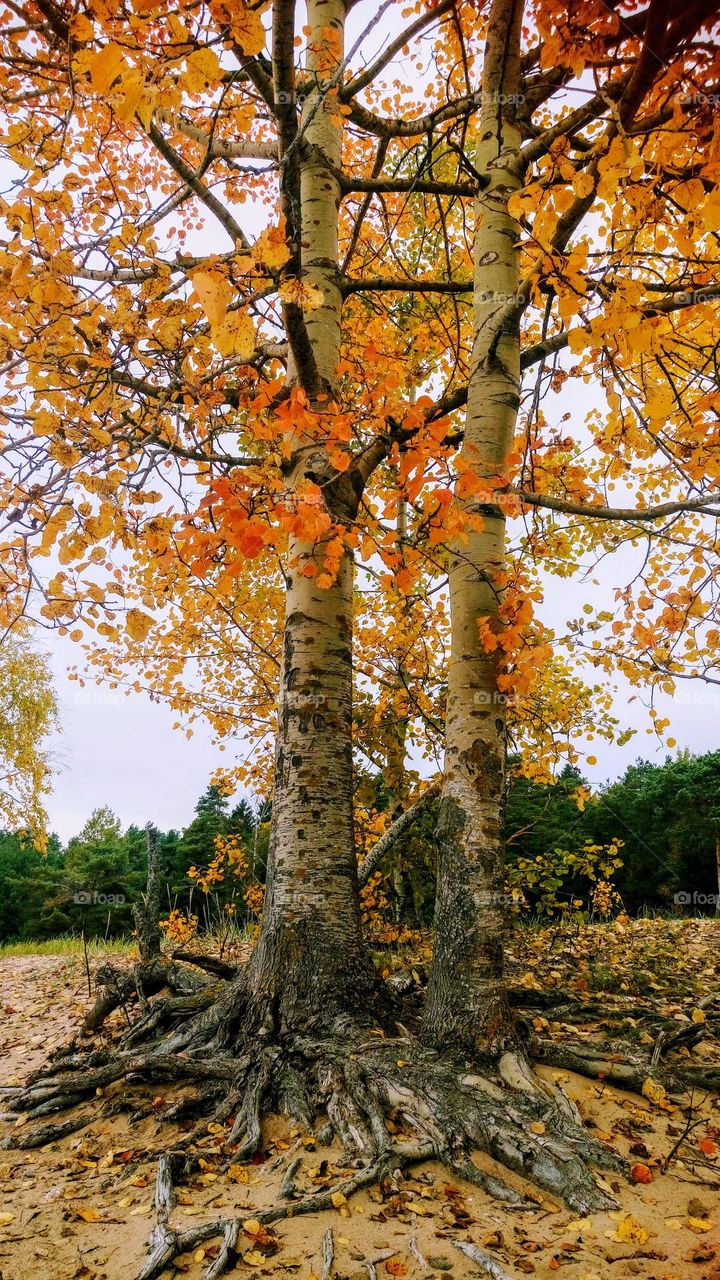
(466, 998)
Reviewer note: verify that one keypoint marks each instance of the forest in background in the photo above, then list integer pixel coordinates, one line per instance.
(647, 841)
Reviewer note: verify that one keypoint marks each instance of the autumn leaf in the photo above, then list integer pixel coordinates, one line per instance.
(213, 294)
(235, 336)
(201, 70)
(137, 624)
(246, 26)
(106, 67)
(88, 1215)
(630, 1231)
(654, 1091)
(271, 248)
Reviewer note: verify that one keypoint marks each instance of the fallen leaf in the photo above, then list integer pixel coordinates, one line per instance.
(653, 1091)
(630, 1231)
(88, 1215)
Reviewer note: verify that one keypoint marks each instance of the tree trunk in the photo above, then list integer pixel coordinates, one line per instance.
(310, 961)
(147, 913)
(467, 1006)
(717, 866)
(310, 954)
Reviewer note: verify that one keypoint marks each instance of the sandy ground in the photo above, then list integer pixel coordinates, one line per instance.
(84, 1206)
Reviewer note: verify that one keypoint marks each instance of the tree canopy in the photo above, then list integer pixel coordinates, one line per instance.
(329, 337)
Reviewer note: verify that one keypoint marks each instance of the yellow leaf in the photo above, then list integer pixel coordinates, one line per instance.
(697, 1015)
(338, 1199)
(106, 66)
(254, 1258)
(212, 294)
(6, 1218)
(247, 28)
(133, 94)
(700, 1224)
(88, 1215)
(537, 1126)
(252, 1226)
(653, 1091)
(137, 624)
(235, 336)
(583, 184)
(82, 28)
(629, 1231)
(301, 293)
(203, 69)
(271, 248)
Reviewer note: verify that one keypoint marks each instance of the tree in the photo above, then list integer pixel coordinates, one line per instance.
(101, 883)
(211, 820)
(28, 714)
(238, 421)
(667, 817)
(32, 901)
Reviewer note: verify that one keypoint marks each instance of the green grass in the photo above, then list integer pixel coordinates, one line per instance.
(67, 945)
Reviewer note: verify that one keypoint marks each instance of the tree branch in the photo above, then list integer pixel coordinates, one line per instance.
(382, 846)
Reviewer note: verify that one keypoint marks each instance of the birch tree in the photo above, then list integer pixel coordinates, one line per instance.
(236, 237)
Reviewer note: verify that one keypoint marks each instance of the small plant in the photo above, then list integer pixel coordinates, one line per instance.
(180, 926)
(563, 883)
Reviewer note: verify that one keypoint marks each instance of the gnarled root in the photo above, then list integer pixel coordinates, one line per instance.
(350, 1079)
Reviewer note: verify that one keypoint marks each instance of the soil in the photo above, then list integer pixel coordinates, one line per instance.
(83, 1207)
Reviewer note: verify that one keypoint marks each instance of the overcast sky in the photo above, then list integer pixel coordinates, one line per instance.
(123, 751)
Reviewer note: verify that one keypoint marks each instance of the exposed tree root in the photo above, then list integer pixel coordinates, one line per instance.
(624, 1071)
(348, 1078)
(345, 1077)
(118, 987)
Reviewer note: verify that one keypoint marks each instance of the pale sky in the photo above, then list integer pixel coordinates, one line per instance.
(123, 751)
